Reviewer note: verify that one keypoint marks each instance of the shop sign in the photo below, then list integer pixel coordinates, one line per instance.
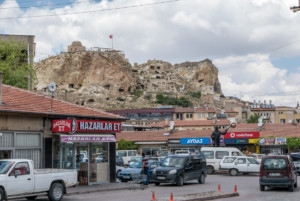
(242, 135)
(262, 141)
(87, 138)
(188, 141)
(230, 141)
(62, 125)
(98, 126)
(174, 141)
(73, 125)
(280, 140)
(242, 141)
(270, 141)
(253, 141)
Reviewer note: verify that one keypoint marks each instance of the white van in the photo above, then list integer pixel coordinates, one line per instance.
(214, 155)
(126, 155)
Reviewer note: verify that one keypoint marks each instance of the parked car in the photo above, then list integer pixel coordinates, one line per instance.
(119, 160)
(296, 161)
(214, 155)
(20, 179)
(277, 171)
(239, 164)
(136, 169)
(126, 155)
(258, 157)
(179, 168)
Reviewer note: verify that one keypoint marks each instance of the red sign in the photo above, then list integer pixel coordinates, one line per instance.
(241, 135)
(98, 126)
(65, 126)
(62, 125)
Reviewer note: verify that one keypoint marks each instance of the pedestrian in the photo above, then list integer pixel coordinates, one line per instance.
(145, 167)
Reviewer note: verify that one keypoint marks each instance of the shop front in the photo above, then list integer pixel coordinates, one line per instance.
(191, 145)
(273, 146)
(88, 146)
(244, 141)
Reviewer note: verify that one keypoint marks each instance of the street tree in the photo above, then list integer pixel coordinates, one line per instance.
(16, 71)
(253, 118)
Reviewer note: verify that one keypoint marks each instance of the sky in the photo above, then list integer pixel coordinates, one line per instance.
(255, 44)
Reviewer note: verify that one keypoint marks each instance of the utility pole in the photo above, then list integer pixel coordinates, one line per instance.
(296, 8)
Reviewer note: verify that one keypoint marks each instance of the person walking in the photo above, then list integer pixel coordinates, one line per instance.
(145, 167)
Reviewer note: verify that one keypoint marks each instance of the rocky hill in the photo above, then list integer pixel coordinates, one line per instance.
(106, 80)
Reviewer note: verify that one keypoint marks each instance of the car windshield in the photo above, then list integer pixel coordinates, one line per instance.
(173, 162)
(5, 166)
(274, 164)
(135, 159)
(136, 165)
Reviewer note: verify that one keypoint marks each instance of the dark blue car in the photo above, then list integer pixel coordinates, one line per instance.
(135, 170)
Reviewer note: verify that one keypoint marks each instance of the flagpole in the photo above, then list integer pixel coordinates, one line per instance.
(112, 43)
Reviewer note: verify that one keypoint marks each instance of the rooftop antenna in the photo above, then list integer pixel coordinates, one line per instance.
(296, 8)
(52, 88)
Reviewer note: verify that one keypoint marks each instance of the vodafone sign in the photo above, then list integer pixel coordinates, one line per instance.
(232, 135)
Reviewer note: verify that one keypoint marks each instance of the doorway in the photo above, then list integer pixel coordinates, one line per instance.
(5, 154)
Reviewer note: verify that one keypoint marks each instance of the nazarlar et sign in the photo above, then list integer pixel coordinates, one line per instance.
(66, 125)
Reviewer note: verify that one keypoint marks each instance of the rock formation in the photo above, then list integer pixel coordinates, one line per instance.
(105, 79)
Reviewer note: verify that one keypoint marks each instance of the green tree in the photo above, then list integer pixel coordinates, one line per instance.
(292, 143)
(14, 64)
(126, 145)
(253, 118)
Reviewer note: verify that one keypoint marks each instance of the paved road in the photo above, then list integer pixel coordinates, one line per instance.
(247, 186)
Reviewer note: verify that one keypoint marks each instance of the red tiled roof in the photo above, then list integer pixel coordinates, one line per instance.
(193, 123)
(23, 101)
(275, 130)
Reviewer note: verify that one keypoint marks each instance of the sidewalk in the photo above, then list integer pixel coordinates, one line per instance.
(103, 187)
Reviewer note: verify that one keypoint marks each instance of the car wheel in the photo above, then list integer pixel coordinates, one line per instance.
(31, 197)
(262, 188)
(56, 192)
(2, 194)
(233, 172)
(291, 188)
(157, 183)
(180, 181)
(210, 170)
(201, 180)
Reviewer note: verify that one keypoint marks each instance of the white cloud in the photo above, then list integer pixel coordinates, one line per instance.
(186, 30)
(258, 79)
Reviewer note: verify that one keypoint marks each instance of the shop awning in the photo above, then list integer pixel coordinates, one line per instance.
(87, 138)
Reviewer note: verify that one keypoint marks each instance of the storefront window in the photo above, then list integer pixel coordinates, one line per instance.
(155, 151)
(99, 166)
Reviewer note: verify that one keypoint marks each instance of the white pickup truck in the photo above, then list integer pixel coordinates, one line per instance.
(18, 178)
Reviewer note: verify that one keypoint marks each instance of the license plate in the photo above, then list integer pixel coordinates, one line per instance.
(126, 177)
(274, 174)
(160, 178)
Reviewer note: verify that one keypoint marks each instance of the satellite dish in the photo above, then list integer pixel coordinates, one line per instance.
(52, 87)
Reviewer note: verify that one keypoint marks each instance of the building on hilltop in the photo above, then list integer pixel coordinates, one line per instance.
(76, 47)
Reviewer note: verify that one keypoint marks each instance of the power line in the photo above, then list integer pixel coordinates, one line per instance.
(47, 5)
(92, 11)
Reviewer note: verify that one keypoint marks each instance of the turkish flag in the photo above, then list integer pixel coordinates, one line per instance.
(110, 36)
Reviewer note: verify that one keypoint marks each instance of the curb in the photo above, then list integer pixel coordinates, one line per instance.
(215, 197)
(102, 190)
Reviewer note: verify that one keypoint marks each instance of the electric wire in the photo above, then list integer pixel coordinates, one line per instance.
(92, 11)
